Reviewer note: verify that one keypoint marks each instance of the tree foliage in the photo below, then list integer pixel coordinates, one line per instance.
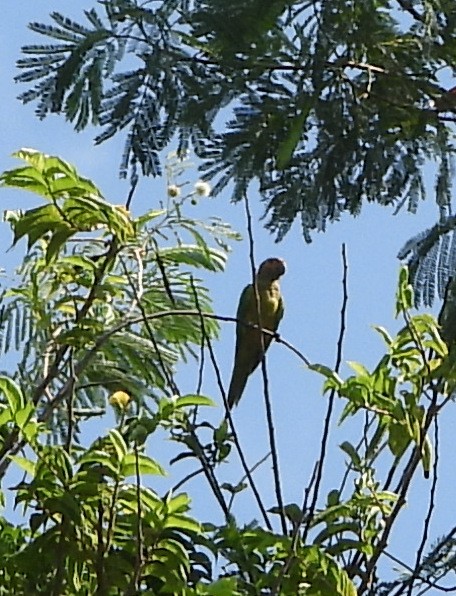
(326, 104)
(103, 311)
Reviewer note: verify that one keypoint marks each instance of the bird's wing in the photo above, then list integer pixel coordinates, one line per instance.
(245, 311)
(279, 313)
(241, 367)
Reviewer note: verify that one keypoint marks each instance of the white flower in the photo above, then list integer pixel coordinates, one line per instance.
(202, 188)
(173, 191)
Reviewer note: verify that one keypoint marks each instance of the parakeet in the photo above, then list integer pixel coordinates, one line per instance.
(249, 347)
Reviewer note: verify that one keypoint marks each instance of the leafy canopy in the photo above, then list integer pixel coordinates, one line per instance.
(325, 104)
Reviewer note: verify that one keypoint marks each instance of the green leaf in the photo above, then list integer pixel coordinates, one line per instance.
(333, 498)
(193, 400)
(119, 444)
(352, 453)
(66, 504)
(36, 223)
(404, 295)
(26, 464)
(384, 333)
(146, 465)
(23, 416)
(13, 394)
(102, 460)
(293, 136)
(398, 439)
(5, 416)
(26, 178)
(294, 513)
(328, 373)
(426, 456)
(335, 529)
(178, 504)
(358, 368)
(37, 520)
(58, 239)
(196, 256)
(183, 523)
(238, 488)
(142, 220)
(226, 586)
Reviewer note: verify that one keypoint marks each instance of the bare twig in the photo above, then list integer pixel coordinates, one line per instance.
(184, 480)
(236, 441)
(274, 452)
(135, 580)
(161, 268)
(417, 569)
(267, 400)
(427, 521)
(408, 7)
(245, 477)
(332, 395)
(70, 407)
(276, 588)
(131, 192)
(99, 560)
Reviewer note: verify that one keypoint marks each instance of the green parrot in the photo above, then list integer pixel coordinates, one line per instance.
(249, 347)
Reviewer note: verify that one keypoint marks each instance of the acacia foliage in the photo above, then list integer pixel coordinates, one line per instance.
(326, 104)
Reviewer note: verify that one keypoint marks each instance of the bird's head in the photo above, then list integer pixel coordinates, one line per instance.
(271, 269)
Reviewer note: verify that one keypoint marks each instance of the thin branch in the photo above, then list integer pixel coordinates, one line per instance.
(276, 588)
(70, 407)
(267, 399)
(274, 452)
(144, 319)
(112, 515)
(131, 192)
(99, 560)
(208, 471)
(401, 490)
(427, 521)
(408, 7)
(398, 561)
(245, 477)
(236, 441)
(184, 480)
(332, 396)
(195, 313)
(417, 569)
(164, 276)
(135, 580)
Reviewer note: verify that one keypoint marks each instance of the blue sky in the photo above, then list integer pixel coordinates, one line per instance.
(311, 287)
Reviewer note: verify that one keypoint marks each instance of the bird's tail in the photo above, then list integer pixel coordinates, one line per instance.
(237, 386)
